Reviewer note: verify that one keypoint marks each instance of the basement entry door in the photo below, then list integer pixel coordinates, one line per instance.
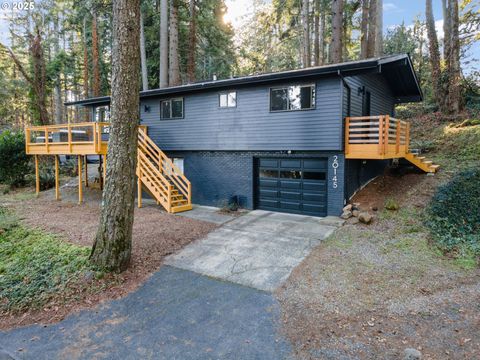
(292, 185)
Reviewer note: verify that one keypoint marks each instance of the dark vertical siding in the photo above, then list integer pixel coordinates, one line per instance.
(249, 126)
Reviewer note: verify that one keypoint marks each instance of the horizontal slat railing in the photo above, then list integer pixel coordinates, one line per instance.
(376, 137)
(79, 138)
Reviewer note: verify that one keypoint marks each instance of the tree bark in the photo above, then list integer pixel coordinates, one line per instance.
(113, 242)
(321, 41)
(364, 30)
(316, 31)
(372, 28)
(192, 42)
(143, 55)
(434, 55)
(95, 56)
(453, 62)
(379, 29)
(85, 68)
(57, 89)
(173, 60)
(306, 56)
(337, 31)
(163, 43)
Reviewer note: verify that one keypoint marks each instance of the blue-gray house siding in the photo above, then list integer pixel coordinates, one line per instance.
(250, 125)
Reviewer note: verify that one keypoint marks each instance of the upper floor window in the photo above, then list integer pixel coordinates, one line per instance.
(171, 108)
(228, 99)
(301, 97)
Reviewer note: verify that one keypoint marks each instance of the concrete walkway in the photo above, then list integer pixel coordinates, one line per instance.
(176, 314)
(258, 249)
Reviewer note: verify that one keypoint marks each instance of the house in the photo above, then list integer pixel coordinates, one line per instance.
(300, 141)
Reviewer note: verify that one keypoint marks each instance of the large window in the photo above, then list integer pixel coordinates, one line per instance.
(171, 108)
(287, 98)
(228, 99)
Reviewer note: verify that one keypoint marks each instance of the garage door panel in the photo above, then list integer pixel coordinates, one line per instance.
(268, 193)
(268, 183)
(320, 164)
(290, 195)
(316, 186)
(290, 205)
(269, 203)
(293, 185)
(272, 163)
(291, 163)
(318, 197)
(290, 184)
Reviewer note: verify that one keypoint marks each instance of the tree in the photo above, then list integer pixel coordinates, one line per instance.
(379, 29)
(143, 54)
(163, 43)
(364, 30)
(306, 56)
(95, 55)
(438, 93)
(113, 242)
(173, 61)
(192, 42)
(372, 28)
(57, 81)
(336, 46)
(453, 60)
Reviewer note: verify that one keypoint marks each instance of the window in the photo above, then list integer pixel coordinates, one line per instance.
(268, 173)
(314, 175)
(228, 100)
(366, 104)
(178, 162)
(171, 109)
(292, 98)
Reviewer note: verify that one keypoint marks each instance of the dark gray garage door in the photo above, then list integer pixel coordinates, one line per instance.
(292, 185)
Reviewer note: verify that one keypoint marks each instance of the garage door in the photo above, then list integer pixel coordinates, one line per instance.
(292, 185)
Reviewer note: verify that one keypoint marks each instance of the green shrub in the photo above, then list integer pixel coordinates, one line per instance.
(47, 178)
(35, 266)
(391, 204)
(453, 216)
(14, 162)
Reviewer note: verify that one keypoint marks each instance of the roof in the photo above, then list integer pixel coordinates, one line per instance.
(397, 69)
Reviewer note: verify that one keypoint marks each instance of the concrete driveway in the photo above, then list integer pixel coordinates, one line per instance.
(258, 249)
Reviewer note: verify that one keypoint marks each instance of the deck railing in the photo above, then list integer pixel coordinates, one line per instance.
(81, 139)
(376, 137)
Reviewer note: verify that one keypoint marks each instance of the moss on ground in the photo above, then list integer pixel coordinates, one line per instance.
(36, 266)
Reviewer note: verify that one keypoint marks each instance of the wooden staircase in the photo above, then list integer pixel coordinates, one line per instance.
(421, 162)
(160, 177)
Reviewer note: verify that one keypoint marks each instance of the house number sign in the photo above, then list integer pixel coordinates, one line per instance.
(335, 167)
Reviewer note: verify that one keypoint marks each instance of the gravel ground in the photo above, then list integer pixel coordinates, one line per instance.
(156, 234)
(370, 292)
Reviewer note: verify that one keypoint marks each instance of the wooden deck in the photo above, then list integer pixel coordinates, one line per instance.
(381, 137)
(156, 173)
(87, 138)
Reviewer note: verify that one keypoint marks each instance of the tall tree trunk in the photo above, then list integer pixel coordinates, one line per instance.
(173, 60)
(113, 242)
(306, 57)
(446, 29)
(143, 54)
(316, 31)
(379, 29)
(337, 24)
(163, 43)
(85, 67)
(453, 63)
(192, 42)
(321, 41)
(434, 55)
(364, 30)
(57, 89)
(372, 28)
(95, 56)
